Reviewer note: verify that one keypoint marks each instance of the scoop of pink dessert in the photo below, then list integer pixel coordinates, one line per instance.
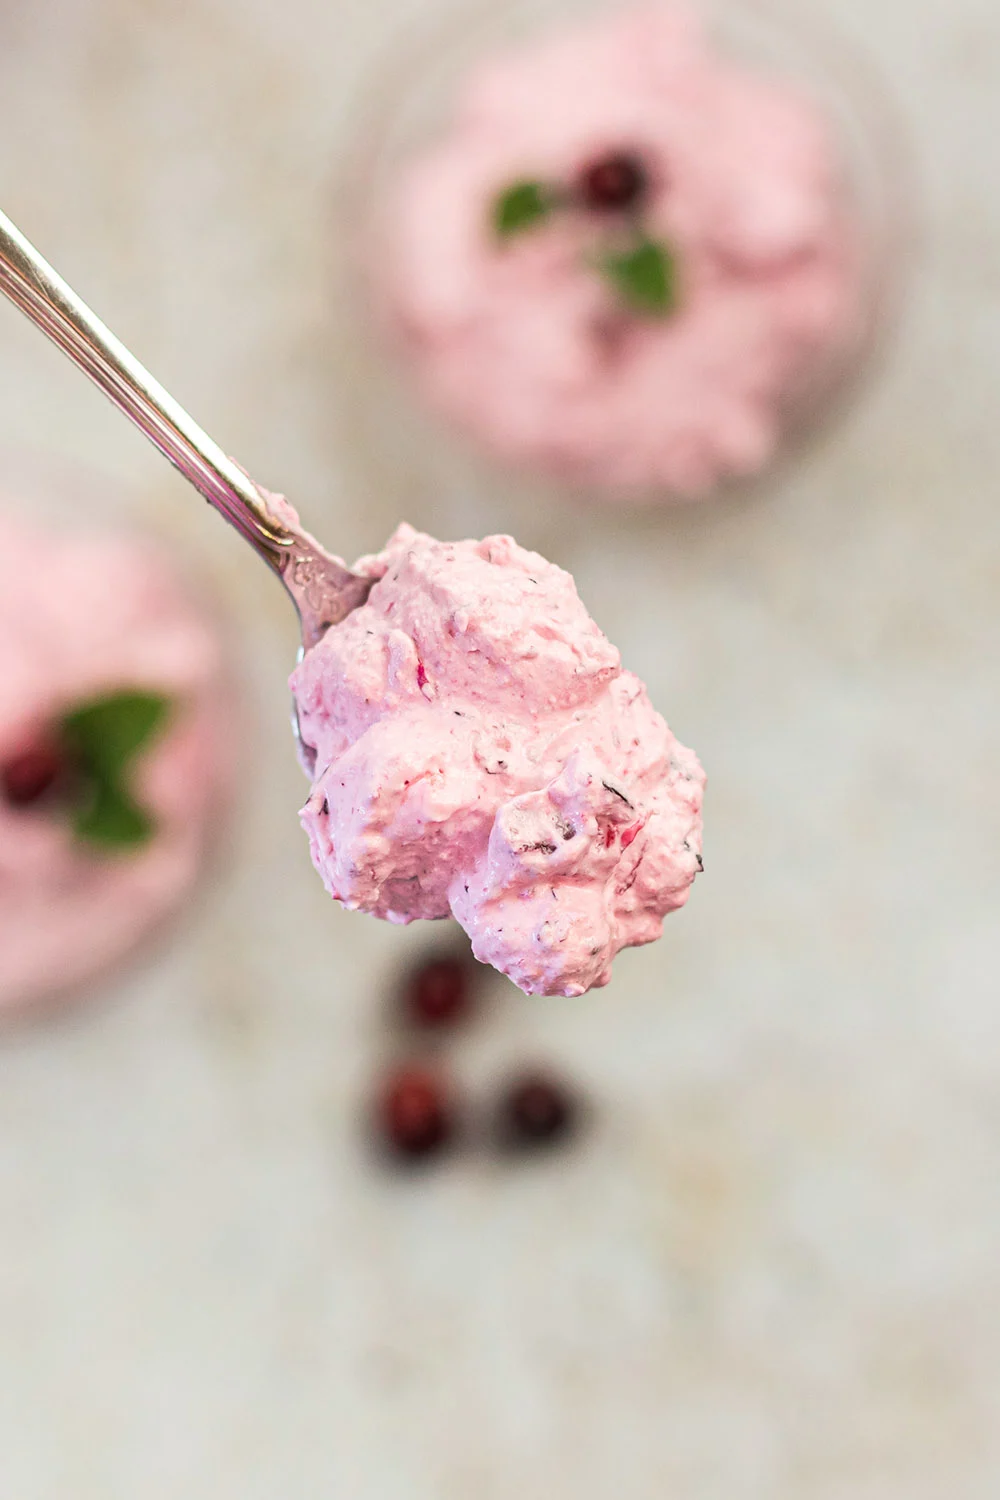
(520, 341)
(481, 752)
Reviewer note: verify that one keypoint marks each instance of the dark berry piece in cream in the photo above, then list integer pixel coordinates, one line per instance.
(614, 183)
(30, 774)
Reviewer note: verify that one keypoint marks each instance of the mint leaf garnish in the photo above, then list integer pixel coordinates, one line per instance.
(645, 278)
(113, 820)
(522, 206)
(103, 739)
(106, 734)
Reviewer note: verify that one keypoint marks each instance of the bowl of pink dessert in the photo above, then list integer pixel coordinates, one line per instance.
(639, 248)
(114, 700)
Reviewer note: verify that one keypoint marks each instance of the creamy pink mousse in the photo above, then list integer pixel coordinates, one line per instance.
(522, 343)
(481, 752)
(78, 619)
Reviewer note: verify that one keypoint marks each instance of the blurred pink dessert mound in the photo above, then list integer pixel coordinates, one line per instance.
(479, 751)
(99, 629)
(627, 261)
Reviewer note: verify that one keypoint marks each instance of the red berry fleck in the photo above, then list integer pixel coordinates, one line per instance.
(614, 182)
(630, 834)
(421, 674)
(609, 836)
(438, 992)
(537, 1110)
(32, 772)
(414, 1115)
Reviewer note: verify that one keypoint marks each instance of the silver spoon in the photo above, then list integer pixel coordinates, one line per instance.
(322, 589)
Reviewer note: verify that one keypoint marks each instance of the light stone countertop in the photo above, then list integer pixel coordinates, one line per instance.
(773, 1272)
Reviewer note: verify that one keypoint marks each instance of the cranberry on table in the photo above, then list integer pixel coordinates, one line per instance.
(614, 182)
(28, 775)
(414, 1113)
(537, 1110)
(438, 992)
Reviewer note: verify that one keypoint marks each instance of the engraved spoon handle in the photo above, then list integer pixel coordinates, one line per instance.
(31, 283)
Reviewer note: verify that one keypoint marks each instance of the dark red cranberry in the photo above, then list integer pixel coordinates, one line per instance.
(31, 773)
(414, 1114)
(537, 1110)
(438, 993)
(614, 182)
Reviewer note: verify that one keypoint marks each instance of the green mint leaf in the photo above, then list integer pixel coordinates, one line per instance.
(103, 738)
(106, 734)
(111, 820)
(644, 277)
(520, 207)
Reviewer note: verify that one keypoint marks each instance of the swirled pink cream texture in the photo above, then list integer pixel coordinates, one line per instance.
(79, 619)
(521, 343)
(481, 752)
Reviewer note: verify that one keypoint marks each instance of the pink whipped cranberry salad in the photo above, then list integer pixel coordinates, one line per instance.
(480, 752)
(522, 343)
(80, 619)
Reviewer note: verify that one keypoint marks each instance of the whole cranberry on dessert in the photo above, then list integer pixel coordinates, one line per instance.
(31, 773)
(414, 1113)
(438, 992)
(537, 1110)
(614, 182)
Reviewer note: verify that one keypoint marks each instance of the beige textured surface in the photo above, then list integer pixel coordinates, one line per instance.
(773, 1275)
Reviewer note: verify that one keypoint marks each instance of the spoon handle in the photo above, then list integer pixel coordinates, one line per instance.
(33, 286)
